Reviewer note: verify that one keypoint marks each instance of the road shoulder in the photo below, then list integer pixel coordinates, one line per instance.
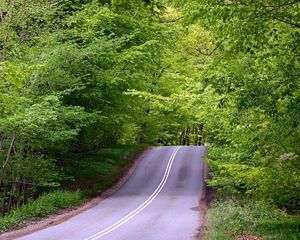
(63, 215)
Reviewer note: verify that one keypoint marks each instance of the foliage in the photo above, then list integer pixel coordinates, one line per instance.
(63, 73)
(278, 182)
(77, 75)
(251, 63)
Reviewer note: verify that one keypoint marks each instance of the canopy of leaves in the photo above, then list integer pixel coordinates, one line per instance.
(80, 74)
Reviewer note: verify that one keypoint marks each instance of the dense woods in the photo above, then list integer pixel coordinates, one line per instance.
(65, 68)
(77, 75)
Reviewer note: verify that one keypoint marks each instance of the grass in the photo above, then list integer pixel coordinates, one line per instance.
(90, 172)
(44, 205)
(287, 228)
(230, 219)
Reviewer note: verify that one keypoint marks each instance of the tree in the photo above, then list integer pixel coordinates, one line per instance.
(257, 71)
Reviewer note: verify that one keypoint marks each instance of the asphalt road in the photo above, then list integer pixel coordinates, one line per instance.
(159, 202)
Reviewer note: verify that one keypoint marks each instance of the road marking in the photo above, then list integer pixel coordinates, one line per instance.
(142, 206)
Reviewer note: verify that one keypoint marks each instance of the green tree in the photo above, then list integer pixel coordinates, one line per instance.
(256, 69)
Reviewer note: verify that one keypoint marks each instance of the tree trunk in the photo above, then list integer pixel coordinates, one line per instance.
(188, 130)
(202, 141)
(8, 157)
(181, 139)
(184, 137)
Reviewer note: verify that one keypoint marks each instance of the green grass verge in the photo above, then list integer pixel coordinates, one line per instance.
(91, 172)
(44, 205)
(230, 219)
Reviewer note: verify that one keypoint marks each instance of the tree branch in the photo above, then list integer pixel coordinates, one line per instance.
(287, 22)
(212, 51)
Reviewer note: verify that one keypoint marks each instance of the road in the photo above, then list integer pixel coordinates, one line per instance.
(159, 202)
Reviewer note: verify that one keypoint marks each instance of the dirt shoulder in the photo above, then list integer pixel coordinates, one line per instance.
(207, 197)
(65, 214)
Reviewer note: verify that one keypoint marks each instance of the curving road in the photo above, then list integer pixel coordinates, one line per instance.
(159, 202)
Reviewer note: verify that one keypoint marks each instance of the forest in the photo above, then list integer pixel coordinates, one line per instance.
(81, 75)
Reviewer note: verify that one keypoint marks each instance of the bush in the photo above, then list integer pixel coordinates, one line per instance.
(277, 182)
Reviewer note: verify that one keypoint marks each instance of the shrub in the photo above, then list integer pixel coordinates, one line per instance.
(277, 182)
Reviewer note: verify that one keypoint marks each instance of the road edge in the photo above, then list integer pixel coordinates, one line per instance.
(65, 214)
(207, 196)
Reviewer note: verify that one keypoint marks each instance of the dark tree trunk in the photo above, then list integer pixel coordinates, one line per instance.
(8, 157)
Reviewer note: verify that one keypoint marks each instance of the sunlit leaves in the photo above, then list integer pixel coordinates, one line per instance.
(254, 75)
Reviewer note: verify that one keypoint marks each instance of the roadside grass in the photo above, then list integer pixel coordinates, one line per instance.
(229, 219)
(44, 205)
(287, 228)
(90, 172)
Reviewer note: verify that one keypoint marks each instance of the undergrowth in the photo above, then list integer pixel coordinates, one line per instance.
(90, 172)
(44, 205)
(97, 170)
